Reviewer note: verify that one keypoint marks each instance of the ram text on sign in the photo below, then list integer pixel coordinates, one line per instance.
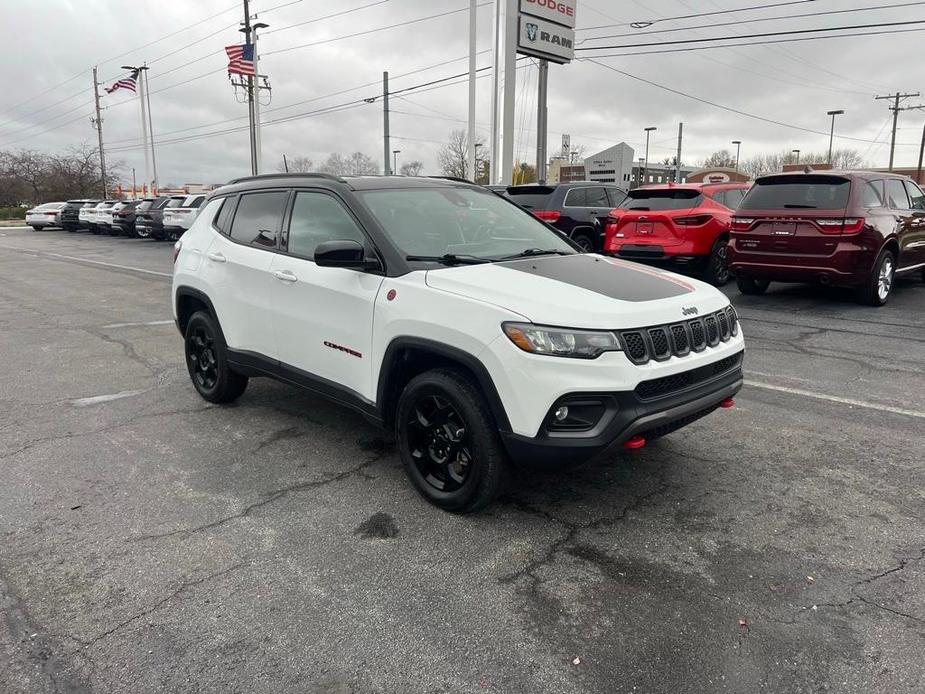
(558, 11)
(544, 39)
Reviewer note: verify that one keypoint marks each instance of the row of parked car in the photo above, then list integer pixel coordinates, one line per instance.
(858, 229)
(162, 218)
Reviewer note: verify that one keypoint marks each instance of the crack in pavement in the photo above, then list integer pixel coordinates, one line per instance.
(269, 497)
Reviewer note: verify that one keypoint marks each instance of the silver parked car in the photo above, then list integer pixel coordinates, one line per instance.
(46, 215)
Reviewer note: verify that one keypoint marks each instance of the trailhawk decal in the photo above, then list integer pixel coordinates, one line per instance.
(341, 348)
(610, 277)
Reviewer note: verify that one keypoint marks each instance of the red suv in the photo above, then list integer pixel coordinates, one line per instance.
(852, 228)
(677, 224)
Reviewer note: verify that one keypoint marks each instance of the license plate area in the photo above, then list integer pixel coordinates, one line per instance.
(645, 228)
(783, 228)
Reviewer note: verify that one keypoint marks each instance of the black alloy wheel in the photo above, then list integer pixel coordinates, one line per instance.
(201, 353)
(438, 442)
(207, 361)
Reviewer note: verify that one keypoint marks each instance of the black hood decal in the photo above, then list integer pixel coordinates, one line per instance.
(617, 279)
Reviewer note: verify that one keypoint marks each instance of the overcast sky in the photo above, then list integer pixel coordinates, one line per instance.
(51, 41)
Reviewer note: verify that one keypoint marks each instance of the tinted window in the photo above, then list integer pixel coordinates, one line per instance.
(662, 199)
(317, 218)
(193, 201)
(915, 195)
(433, 222)
(597, 197)
(576, 197)
(259, 218)
(615, 196)
(733, 197)
(806, 191)
(530, 197)
(871, 194)
(174, 202)
(145, 205)
(223, 218)
(896, 194)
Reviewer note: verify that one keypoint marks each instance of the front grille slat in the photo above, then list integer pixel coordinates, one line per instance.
(669, 385)
(661, 342)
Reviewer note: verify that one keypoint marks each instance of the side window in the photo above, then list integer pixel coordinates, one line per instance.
(223, 218)
(615, 196)
(596, 198)
(896, 194)
(734, 197)
(259, 218)
(576, 197)
(720, 197)
(871, 195)
(915, 195)
(316, 218)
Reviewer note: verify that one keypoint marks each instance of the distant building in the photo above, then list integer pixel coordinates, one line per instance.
(563, 171)
(657, 173)
(612, 165)
(717, 174)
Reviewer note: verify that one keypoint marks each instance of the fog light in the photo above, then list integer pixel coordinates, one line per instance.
(561, 414)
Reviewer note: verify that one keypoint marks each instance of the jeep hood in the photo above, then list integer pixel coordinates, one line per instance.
(581, 291)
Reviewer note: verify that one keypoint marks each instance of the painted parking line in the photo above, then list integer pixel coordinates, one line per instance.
(59, 256)
(834, 398)
(97, 399)
(146, 324)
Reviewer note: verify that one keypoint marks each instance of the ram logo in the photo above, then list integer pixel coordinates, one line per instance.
(531, 31)
(689, 310)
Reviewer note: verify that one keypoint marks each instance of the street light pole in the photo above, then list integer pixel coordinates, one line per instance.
(645, 170)
(395, 153)
(738, 144)
(797, 152)
(832, 131)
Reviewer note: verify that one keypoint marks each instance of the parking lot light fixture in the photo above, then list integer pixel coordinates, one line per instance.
(797, 152)
(645, 169)
(839, 112)
(738, 144)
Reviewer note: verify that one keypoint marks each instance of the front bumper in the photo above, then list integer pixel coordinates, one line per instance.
(626, 415)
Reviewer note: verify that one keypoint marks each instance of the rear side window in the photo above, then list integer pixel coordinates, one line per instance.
(174, 202)
(259, 218)
(733, 197)
(597, 197)
(615, 196)
(808, 192)
(317, 218)
(223, 218)
(915, 195)
(530, 197)
(576, 197)
(144, 205)
(871, 195)
(896, 194)
(662, 199)
(193, 201)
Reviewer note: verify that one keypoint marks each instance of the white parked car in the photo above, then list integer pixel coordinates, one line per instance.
(446, 313)
(178, 219)
(46, 215)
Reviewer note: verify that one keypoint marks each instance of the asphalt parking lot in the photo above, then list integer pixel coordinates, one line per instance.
(151, 542)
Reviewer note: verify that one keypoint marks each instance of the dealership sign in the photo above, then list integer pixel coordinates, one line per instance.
(543, 39)
(558, 11)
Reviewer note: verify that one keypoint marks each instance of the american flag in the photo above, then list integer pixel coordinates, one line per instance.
(125, 83)
(241, 60)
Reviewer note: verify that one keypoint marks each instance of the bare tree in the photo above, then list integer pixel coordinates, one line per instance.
(412, 168)
(33, 177)
(335, 164)
(720, 159)
(360, 164)
(296, 165)
(453, 157)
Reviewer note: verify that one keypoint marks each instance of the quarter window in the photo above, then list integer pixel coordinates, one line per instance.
(577, 197)
(223, 219)
(915, 195)
(596, 197)
(259, 218)
(896, 194)
(871, 195)
(316, 218)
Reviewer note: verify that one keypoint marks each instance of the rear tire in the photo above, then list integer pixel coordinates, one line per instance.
(878, 288)
(207, 361)
(34, 228)
(449, 443)
(585, 242)
(717, 269)
(749, 285)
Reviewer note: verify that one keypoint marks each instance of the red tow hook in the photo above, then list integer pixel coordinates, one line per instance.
(727, 403)
(635, 442)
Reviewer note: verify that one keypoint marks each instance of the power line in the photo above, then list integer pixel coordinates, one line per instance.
(753, 36)
(327, 16)
(727, 108)
(650, 22)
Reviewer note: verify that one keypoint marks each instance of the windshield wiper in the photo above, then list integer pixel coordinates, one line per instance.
(448, 259)
(800, 207)
(536, 251)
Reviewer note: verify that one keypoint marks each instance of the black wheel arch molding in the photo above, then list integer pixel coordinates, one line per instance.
(198, 296)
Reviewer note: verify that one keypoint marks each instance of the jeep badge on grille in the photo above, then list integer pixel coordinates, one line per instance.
(689, 310)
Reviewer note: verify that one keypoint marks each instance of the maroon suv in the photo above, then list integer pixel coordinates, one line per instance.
(851, 228)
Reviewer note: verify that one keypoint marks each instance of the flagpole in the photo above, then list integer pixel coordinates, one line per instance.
(151, 129)
(144, 135)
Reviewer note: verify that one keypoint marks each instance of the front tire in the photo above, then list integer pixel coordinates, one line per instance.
(449, 442)
(34, 227)
(878, 288)
(717, 269)
(585, 242)
(749, 285)
(207, 361)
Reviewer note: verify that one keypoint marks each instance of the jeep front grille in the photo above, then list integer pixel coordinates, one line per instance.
(676, 383)
(661, 342)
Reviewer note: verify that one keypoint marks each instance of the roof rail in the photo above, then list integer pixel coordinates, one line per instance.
(455, 179)
(282, 174)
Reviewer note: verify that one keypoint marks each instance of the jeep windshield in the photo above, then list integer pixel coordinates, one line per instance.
(433, 224)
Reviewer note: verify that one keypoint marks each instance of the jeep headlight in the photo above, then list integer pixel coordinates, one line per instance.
(561, 342)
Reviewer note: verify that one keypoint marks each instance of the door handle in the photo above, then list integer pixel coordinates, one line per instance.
(285, 276)
(217, 257)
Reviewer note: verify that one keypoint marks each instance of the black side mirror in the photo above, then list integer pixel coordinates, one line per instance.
(344, 253)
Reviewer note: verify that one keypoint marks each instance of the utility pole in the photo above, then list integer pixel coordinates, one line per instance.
(677, 167)
(250, 92)
(471, 155)
(386, 143)
(918, 173)
(895, 109)
(134, 187)
(258, 146)
(541, 122)
(98, 121)
(144, 76)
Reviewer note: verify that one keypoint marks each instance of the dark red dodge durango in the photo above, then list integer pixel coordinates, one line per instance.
(849, 228)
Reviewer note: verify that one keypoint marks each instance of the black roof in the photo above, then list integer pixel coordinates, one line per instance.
(288, 180)
(838, 173)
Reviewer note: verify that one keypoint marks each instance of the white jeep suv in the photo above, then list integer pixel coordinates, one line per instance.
(439, 310)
